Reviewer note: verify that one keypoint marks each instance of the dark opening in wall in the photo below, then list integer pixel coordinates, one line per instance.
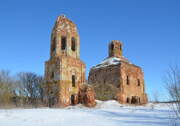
(72, 99)
(73, 44)
(112, 47)
(134, 100)
(127, 100)
(63, 42)
(53, 44)
(139, 83)
(127, 80)
(52, 75)
(73, 80)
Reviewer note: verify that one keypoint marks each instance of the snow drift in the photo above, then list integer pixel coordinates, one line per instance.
(109, 113)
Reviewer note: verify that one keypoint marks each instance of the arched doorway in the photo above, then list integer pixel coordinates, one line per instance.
(134, 100)
(72, 100)
(127, 100)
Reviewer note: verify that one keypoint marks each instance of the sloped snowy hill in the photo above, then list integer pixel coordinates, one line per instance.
(109, 113)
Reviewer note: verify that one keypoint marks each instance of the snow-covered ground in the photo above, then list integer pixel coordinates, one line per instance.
(109, 113)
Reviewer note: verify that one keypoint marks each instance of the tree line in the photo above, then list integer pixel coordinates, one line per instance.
(28, 89)
(25, 89)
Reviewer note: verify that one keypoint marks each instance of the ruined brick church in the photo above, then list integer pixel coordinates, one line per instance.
(117, 70)
(65, 72)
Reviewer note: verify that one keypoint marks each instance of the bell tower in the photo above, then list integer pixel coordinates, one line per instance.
(64, 38)
(64, 71)
(115, 49)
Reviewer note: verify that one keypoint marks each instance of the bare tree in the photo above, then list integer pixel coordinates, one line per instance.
(172, 82)
(6, 88)
(51, 92)
(31, 87)
(156, 96)
(26, 88)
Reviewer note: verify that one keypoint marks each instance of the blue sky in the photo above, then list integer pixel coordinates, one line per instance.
(150, 31)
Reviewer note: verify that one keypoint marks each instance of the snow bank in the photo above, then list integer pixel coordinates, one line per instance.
(109, 113)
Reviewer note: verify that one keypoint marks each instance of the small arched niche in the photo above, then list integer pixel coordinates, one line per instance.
(127, 80)
(139, 82)
(73, 80)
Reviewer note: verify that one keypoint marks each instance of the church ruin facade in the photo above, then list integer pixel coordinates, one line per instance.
(117, 70)
(64, 71)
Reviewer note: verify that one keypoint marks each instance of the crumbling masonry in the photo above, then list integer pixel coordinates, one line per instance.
(117, 70)
(64, 71)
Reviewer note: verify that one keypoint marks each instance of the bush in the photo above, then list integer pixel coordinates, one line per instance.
(172, 81)
(6, 88)
(24, 89)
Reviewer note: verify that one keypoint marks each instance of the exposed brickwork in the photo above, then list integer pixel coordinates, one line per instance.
(87, 96)
(128, 77)
(64, 71)
(115, 48)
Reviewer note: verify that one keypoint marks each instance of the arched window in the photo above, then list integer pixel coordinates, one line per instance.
(127, 80)
(53, 44)
(112, 47)
(52, 75)
(73, 80)
(73, 44)
(63, 42)
(138, 81)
